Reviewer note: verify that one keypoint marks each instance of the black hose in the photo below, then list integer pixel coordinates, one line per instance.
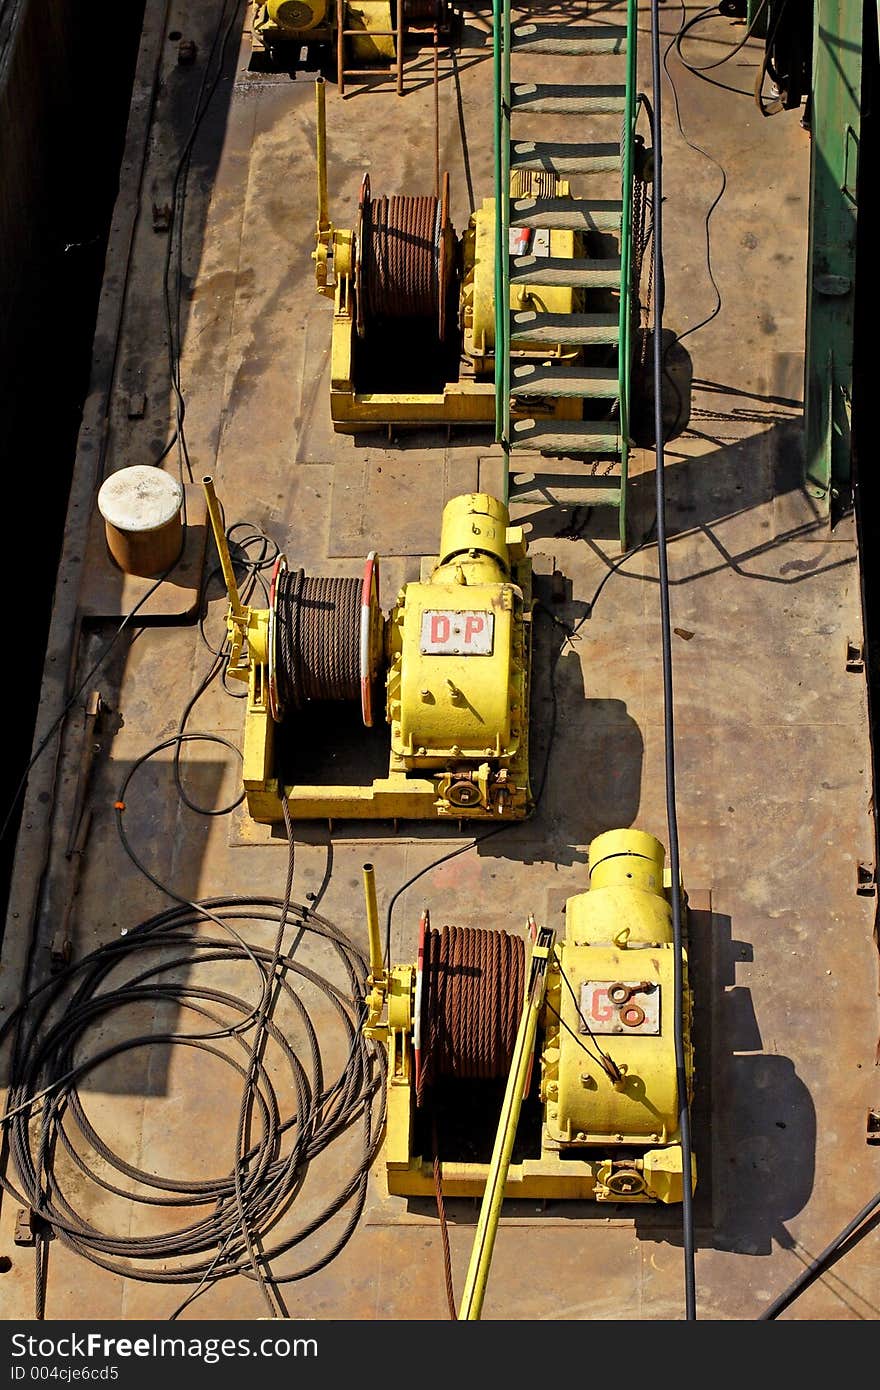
(267, 1173)
(684, 1120)
(240, 1208)
(818, 1265)
(697, 68)
(175, 246)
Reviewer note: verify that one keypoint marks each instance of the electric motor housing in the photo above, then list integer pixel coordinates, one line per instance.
(617, 998)
(296, 16)
(459, 657)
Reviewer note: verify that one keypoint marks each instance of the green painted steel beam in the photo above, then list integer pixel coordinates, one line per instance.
(756, 17)
(831, 265)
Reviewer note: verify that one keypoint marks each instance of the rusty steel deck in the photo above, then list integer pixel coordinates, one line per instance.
(774, 758)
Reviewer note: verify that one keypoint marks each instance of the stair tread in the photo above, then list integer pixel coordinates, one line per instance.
(572, 214)
(568, 437)
(562, 495)
(562, 158)
(560, 472)
(566, 271)
(528, 325)
(565, 149)
(560, 97)
(565, 38)
(566, 486)
(533, 379)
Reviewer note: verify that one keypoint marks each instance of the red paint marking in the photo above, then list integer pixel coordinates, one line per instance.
(440, 627)
(599, 1013)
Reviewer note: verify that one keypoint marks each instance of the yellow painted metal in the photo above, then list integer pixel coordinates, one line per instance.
(459, 403)
(290, 21)
(259, 728)
(295, 16)
(376, 964)
(626, 859)
(468, 706)
(219, 531)
(550, 1176)
(480, 523)
(400, 1088)
(603, 1139)
(395, 797)
(478, 289)
(324, 227)
(499, 1165)
(618, 932)
(377, 980)
(370, 26)
(590, 1107)
(247, 628)
(466, 711)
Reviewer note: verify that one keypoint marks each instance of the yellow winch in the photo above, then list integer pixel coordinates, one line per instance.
(413, 337)
(373, 34)
(601, 1112)
(454, 654)
(368, 26)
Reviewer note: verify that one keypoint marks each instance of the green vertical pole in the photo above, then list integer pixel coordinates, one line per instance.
(756, 17)
(624, 337)
(501, 132)
(505, 240)
(500, 249)
(831, 263)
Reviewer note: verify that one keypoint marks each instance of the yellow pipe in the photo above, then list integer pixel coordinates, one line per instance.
(321, 128)
(493, 1196)
(223, 549)
(376, 964)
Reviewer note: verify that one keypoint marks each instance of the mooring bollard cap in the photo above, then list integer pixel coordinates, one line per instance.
(140, 498)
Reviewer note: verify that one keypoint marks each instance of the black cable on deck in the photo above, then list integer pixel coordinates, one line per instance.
(684, 1119)
(852, 1231)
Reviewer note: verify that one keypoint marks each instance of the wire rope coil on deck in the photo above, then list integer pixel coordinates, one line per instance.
(73, 1025)
(324, 638)
(401, 258)
(470, 988)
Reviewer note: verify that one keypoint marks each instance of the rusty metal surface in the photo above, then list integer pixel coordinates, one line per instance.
(774, 777)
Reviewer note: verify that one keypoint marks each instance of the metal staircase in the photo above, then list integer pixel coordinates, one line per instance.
(582, 458)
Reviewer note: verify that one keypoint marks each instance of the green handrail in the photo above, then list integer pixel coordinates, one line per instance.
(624, 354)
(501, 126)
(497, 6)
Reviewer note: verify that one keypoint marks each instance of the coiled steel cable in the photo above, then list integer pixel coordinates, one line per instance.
(58, 1019)
(474, 983)
(318, 642)
(401, 258)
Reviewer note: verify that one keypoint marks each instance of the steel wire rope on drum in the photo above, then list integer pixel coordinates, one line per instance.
(473, 999)
(318, 626)
(402, 258)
